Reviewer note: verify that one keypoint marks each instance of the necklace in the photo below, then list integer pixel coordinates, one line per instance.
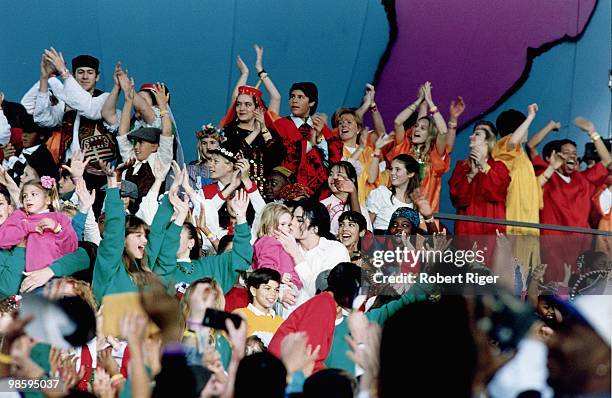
(184, 269)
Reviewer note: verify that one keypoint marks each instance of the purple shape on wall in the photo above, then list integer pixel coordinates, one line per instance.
(479, 49)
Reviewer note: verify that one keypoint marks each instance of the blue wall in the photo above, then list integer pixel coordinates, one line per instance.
(191, 45)
(567, 81)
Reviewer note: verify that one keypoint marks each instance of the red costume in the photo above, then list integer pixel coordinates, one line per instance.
(569, 204)
(485, 196)
(309, 167)
(316, 317)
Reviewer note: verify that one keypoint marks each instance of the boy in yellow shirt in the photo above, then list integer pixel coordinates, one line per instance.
(263, 287)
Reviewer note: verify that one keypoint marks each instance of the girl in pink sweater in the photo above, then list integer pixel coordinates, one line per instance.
(47, 233)
(268, 251)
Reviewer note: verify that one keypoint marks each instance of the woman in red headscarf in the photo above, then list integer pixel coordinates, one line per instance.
(244, 125)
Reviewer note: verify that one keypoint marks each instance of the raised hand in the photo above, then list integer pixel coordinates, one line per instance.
(9, 150)
(46, 70)
(296, 354)
(584, 124)
(133, 327)
(86, 199)
(457, 107)
(111, 174)
(160, 169)
(319, 120)
(364, 136)
(532, 110)
(382, 141)
(77, 165)
(161, 96)
(345, 185)
(427, 93)
(242, 67)
(240, 204)
(125, 165)
(102, 384)
(56, 59)
(202, 297)
(124, 79)
(421, 203)
(259, 57)
(554, 126)
(237, 337)
(557, 160)
(129, 90)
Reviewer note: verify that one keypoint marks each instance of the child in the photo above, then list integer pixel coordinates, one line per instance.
(269, 252)
(263, 286)
(47, 232)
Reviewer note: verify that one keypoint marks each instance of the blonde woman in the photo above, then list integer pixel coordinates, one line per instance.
(202, 294)
(268, 250)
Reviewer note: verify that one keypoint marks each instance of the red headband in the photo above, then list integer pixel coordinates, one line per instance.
(231, 112)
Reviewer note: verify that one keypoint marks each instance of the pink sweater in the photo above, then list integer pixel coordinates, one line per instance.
(269, 253)
(41, 249)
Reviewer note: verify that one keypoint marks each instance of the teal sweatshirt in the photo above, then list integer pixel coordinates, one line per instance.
(110, 275)
(12, 266)
(221, 267)
(337, 357)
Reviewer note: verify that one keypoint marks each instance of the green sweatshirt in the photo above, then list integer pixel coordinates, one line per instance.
(337, 355)
(110, 275)
(12, 266)
(221, 267)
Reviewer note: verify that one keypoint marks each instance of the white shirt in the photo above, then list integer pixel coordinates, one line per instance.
(298, 121)
(5, 129)
(336, 207)
(70, 93)
(379, 202)
(325, 256)
(605, 201)
(10, 162)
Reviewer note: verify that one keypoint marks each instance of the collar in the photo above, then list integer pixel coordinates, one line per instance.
(565, 178)
(258, 312)
(298, 121)
(30, 150)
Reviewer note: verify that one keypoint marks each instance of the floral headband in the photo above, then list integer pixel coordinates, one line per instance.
(207, 130)
(47, 182)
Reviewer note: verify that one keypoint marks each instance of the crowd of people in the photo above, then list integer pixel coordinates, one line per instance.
(277, 221)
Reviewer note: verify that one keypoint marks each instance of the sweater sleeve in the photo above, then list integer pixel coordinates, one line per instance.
(78, 224)
(223, 267)
(460, 186)
(494, 184)
(158, 229)
(66, 240)
(381, 314)
(71, 263)
(15, 229)
(166, 260)
(110, 252)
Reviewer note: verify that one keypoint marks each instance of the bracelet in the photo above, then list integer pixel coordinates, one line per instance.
(429, 220)
(260, 72)
(376, 155)
(57, 229)
(65, 74)
(211, 237)
(412, 108)
(118, 376)
(163, 113)
(452, 125)
(5, 359)
(594, 136)
(433, 110)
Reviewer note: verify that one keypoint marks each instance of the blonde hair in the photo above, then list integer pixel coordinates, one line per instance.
(270, 215)
(422, 150)
(185, 308)
(51, 193)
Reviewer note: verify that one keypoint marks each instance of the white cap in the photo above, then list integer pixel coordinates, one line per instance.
(597, 311)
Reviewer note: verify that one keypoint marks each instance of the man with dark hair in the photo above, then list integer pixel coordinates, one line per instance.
(76, 106)
(305, 136)
(263, 287)
(568, 194)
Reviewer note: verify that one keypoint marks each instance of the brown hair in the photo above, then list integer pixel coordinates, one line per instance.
(185, 309)
(352, 112)
(422, 150)
(138, 270)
